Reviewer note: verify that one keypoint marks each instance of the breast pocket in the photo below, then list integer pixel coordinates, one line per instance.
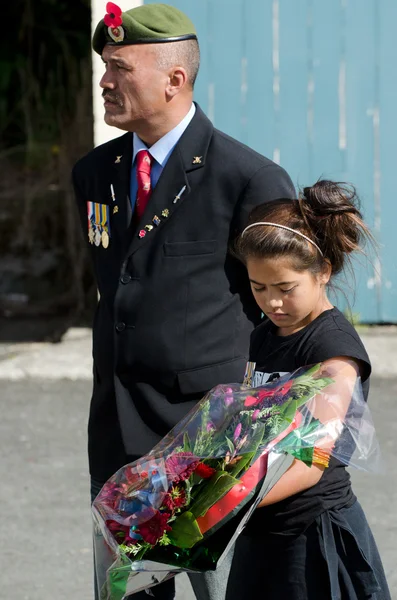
(195, 248)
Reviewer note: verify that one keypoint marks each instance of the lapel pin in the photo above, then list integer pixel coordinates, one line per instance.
(118, 159)
(197, 160)
(156, 220)
(112, 193)
(142, 233)
(165, 213)
(115, 209)
(149, 227)
(178, 196)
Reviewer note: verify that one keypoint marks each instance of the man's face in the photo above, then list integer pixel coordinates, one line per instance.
(133, 86)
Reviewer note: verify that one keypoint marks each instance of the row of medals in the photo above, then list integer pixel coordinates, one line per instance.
(98, 235)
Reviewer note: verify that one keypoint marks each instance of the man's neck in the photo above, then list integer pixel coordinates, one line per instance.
(150, 133)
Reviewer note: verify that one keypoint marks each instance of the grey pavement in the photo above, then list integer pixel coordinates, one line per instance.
(45, 535)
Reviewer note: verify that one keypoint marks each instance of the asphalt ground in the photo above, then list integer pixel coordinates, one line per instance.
(45, 527)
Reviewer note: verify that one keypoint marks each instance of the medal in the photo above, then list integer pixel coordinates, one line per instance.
(105, 238)
(104, 225)
(90, 214)
(90, 233)
(97, 238)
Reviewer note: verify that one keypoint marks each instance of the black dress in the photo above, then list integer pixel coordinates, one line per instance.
(317, 544)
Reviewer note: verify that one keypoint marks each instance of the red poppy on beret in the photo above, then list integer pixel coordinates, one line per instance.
(113, 16)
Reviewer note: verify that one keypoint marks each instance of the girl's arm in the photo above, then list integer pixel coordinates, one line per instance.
(299, 476)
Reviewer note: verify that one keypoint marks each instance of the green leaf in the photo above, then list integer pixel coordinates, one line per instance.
(186, 442)
(214, 490)
(230, 445)
(185, 531)
(118, 579)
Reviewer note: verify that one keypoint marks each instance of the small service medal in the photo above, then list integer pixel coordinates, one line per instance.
(105, 238)
(91, 233)
(97, 239)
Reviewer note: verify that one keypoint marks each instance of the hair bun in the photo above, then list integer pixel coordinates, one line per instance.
(329, 198)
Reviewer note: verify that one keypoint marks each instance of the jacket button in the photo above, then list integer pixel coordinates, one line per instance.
(125, 278)
(120, 327)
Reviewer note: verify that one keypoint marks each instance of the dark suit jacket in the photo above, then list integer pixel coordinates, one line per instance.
(175, 311)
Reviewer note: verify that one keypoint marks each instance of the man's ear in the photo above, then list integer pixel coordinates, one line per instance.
(177, 79)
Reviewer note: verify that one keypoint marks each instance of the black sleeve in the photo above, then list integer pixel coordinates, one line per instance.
(339, 343)
(270, 182)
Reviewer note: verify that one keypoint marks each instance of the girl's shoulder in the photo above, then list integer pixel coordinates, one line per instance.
(332, 335)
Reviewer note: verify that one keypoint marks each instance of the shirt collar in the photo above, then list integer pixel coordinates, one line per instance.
(165, 145)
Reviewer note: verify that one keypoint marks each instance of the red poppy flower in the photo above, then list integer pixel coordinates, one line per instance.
(152, 530)
(204, 471)
(113, 16)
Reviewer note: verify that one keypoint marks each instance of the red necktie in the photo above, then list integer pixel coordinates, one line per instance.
(143, 166)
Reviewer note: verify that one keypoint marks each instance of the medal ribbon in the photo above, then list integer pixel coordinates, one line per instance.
(104, 216)
(97, 214)
(90, 212)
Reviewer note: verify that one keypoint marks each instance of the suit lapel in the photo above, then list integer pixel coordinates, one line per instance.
(121, 212)
(189, 154)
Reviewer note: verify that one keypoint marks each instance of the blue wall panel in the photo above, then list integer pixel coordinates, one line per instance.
(312, 85)
(388, 157)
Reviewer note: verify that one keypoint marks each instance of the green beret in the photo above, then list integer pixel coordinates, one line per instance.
(146, 24)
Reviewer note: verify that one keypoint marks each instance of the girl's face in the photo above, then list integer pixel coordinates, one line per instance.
(290, 299)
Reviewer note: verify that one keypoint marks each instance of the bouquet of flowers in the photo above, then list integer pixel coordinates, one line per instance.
(157, 516)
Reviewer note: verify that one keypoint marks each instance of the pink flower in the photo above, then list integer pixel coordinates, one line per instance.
(180, 466)
(255, 414)
(237, 432)
(152, 530)
(113, 16)
(228, 396)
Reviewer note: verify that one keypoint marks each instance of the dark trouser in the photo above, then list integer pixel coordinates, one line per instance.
(163, 591)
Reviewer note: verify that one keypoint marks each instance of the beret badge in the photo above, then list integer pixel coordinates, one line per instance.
(113, 21)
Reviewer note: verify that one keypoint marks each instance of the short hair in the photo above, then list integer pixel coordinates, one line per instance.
(185, 54)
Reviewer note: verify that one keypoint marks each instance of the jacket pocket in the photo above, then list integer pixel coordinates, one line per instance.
(196, 248)
(203, 379)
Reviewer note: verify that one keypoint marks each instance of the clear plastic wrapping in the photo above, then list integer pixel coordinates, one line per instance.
(157, 516)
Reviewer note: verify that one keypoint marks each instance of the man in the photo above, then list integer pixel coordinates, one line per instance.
(159, 207)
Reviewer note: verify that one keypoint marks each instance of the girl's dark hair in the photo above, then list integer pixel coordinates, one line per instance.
(326, 212)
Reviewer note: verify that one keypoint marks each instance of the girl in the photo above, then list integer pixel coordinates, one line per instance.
(309, 538)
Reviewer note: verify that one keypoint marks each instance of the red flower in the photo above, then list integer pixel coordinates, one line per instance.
(120, 532)
(277, 394)
(113, 16)
(175, 499)
(204, 471)
(152, 530)
(251, 401)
